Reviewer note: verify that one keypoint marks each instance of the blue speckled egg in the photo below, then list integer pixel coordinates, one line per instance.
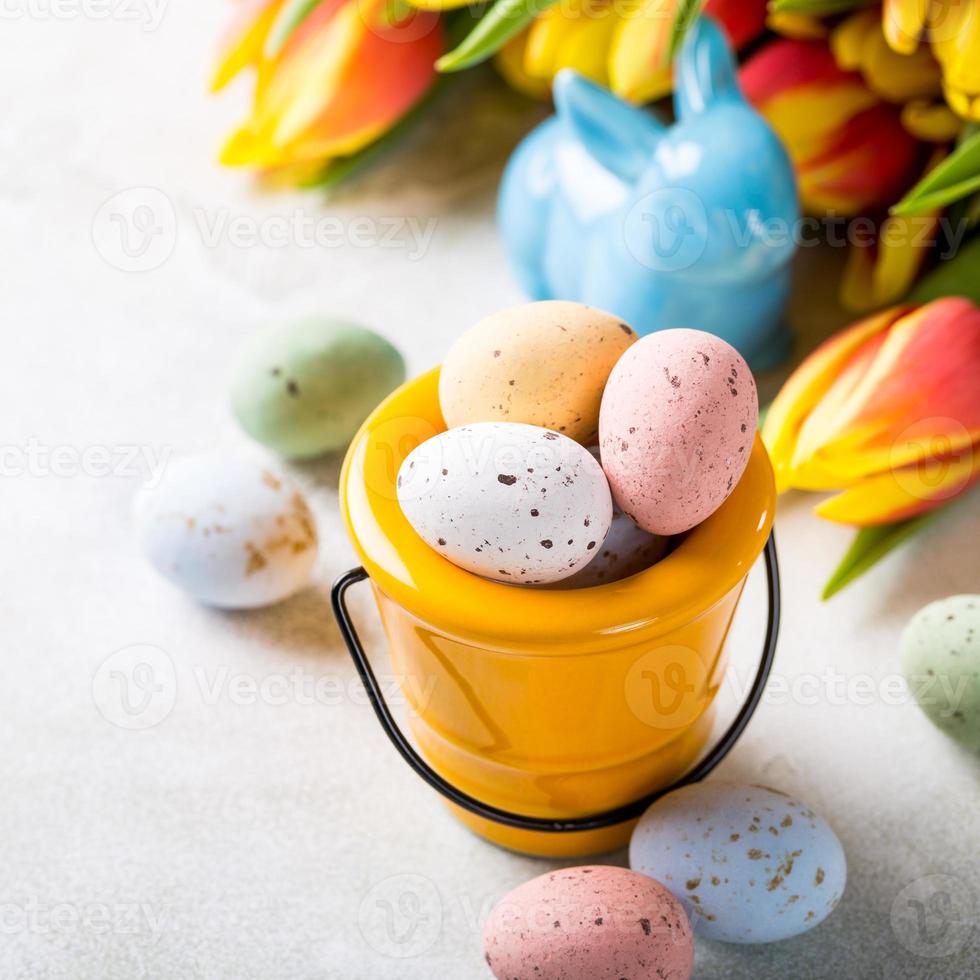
(750, 864)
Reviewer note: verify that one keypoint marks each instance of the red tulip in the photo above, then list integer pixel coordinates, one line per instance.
(849, 147)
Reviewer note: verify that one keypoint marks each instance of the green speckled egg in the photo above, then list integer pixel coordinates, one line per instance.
(303, 389)
(940, 652)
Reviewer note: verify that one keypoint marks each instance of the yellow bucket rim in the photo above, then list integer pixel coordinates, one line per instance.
(706, 565)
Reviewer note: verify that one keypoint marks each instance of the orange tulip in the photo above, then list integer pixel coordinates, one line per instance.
(344, 77)
(886, 412)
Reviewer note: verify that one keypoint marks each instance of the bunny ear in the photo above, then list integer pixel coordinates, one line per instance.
(618, 135)
(705, 70)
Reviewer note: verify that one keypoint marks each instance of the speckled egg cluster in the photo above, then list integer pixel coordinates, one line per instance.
(675, 414)
(727, 861)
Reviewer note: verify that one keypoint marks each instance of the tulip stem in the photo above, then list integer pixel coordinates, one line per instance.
(817, 8)
(686, 15)
(953, 277)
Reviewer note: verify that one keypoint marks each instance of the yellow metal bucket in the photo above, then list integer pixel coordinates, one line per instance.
(536, 710)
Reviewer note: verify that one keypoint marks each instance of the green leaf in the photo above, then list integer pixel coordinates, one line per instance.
(686, 15)
(817, 8)
(502, 21)
(954, 178)
(869, 546)
(293, 13)
(954, 277)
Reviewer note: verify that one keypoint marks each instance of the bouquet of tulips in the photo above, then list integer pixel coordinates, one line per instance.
(878, 106)
(336, 78)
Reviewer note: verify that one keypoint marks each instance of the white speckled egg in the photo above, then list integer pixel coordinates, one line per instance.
(507, 501)
(676, 428)
(750, 864)
(229, 532)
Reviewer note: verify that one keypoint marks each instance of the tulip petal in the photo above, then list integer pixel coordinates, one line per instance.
(809, 383)
(954, 35)
(875, 277)
(799, 26)
(900, 494)
(858, 44)
(869, 162)
(931, 122)
(638, 67)
(291, 15)
(649, 36)
(586, 50)
(743, 20)
(345, 76)
(904, 22)
(920, 390)
(509, 62)
(849, 148)
(244, 39)
(823, 423)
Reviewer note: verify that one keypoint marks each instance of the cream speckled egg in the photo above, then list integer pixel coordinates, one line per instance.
(511, 502)
(750, 864)
(230, 532)
(590, 923)
(541, 363)
(676, 428)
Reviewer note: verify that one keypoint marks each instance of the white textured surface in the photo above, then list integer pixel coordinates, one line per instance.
(240, 840)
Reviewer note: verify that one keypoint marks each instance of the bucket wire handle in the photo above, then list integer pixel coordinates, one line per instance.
(607, 818)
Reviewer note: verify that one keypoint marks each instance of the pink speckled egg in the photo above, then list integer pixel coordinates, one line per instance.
(676, 428)
(593, 923)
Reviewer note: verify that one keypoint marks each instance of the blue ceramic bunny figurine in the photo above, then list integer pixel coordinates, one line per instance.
(692, 225)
